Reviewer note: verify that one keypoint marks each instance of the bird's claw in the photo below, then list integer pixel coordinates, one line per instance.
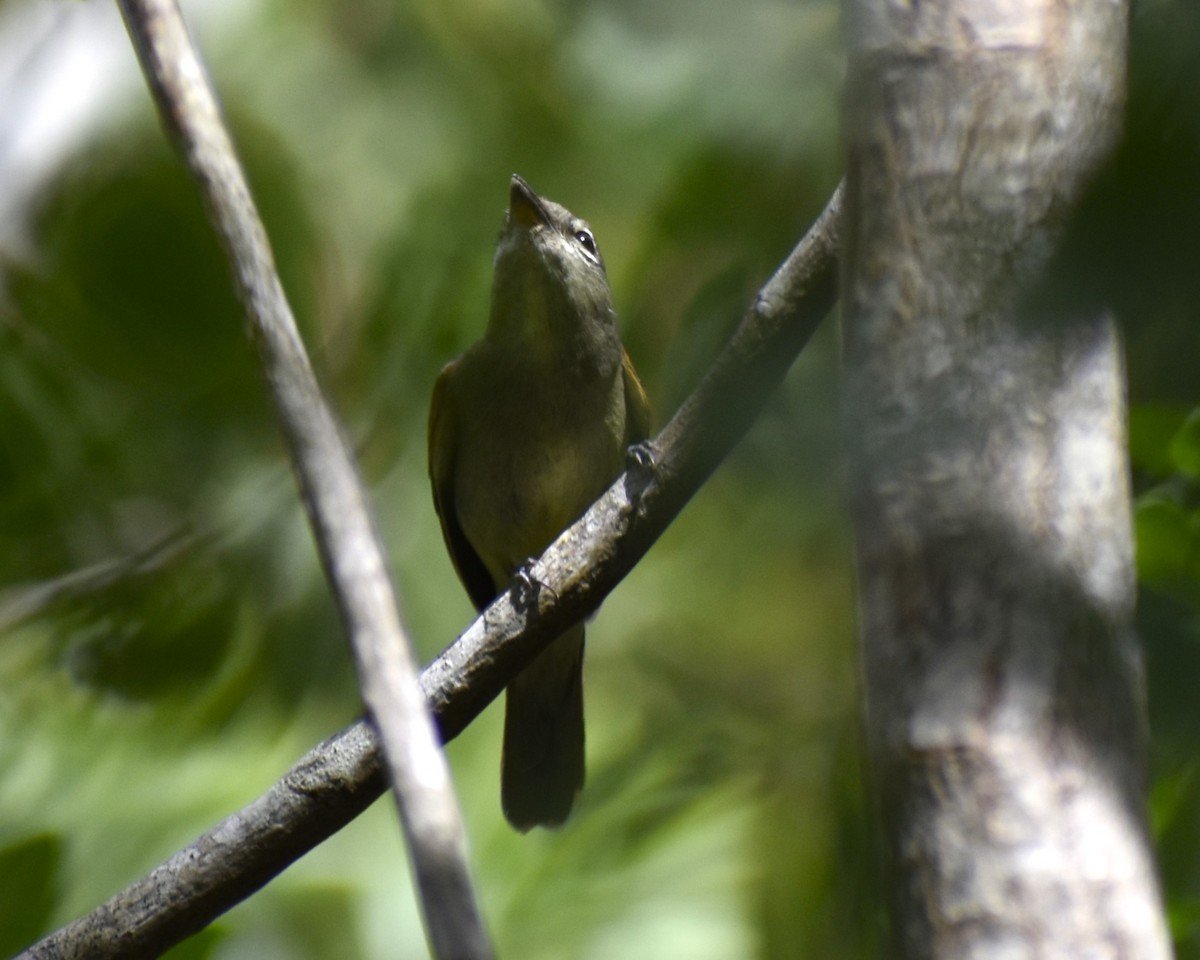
(641, 470)
(526, 588)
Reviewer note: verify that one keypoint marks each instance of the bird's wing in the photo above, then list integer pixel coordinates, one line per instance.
(443, 433)
(637, 404)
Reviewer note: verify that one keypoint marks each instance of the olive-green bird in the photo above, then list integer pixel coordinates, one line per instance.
(526, 429)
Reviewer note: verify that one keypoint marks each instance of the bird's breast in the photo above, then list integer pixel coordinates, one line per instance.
(527, 469)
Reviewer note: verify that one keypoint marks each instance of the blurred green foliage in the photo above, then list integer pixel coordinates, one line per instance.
(1154, 246)
(1166, 455)
(168, 645)
(28, 877)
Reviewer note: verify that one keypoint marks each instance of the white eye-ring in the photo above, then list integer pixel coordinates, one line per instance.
(587, 241)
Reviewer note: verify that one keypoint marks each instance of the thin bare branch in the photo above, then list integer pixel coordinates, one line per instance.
(23, 602)
(341, 777)
(333, 494)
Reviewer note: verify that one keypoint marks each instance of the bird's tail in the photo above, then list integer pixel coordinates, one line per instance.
(542, 765)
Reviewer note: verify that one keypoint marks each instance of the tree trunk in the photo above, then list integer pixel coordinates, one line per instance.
(985, 420)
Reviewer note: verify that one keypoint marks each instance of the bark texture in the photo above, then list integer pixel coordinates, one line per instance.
(986, 426)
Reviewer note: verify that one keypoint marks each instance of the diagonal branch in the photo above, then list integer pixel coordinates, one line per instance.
(341, 777)
(26, 601)
(331, 489)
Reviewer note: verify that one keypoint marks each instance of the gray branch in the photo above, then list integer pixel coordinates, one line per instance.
(339, 778)
(331, 489)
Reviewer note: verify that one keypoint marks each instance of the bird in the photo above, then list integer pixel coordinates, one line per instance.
(526, 429)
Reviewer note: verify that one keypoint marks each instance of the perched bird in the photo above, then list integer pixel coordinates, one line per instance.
(526, 429)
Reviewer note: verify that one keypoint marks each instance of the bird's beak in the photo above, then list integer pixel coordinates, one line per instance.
(525, 207)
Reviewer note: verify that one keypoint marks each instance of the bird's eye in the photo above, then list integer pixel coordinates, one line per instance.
(586, 240)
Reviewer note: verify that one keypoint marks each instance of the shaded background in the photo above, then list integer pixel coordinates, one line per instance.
(167, 645)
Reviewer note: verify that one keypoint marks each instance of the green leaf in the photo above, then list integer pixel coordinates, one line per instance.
(28, 889)
(1185, 447)
(1152, 431)
(1164, 542)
